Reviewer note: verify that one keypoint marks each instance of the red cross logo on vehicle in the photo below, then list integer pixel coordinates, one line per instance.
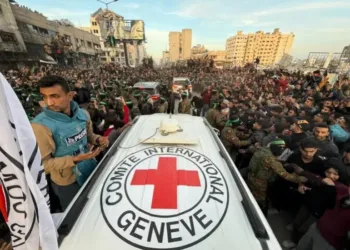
(165, 179)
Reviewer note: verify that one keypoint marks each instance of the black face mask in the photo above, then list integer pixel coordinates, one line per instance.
(276, 150)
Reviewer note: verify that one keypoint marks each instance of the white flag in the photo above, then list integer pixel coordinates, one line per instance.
(24, 199)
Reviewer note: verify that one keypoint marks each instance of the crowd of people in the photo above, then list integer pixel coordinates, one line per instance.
(287, 132)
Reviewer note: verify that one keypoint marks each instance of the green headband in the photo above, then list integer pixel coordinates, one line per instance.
(231, 122)
(278, 142)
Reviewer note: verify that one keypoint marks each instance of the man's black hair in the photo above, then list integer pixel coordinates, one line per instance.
(308, 143)
(325, 118)
(322, 125)
(331, 109)
(279, 127)
(50, 81)
(277, 109)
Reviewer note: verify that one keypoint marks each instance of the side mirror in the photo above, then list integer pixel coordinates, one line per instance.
(217, 132)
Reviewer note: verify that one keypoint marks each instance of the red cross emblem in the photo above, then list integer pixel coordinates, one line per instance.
(3, 208)
(165, 179)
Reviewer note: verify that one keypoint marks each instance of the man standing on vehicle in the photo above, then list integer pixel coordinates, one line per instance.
(63, 132)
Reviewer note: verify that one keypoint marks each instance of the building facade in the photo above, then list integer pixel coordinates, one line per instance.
(180, 45)
(115, 54)
(345, 55)
(219, 57)
(268, 47)
(135, 50)
(198, 51)
(165, 58)
(35, 36)
(12, 46)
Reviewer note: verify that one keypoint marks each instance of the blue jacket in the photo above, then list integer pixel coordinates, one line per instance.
(70, 137)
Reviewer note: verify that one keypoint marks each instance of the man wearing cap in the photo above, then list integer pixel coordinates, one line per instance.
(163, 106)
(264, 167)
(229, 137)
(134, 110)
(63, 132)
(299, 129)
(215, 118)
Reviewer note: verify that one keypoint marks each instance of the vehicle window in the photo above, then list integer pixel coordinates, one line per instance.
(149, 91)
(157, 90)
(183, 83)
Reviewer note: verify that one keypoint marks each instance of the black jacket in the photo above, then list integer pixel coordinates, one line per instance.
(82, 96)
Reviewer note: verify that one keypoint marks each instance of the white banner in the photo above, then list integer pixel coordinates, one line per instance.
(24, 198)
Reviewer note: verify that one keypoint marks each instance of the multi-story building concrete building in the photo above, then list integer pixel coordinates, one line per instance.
(12, 47)
(33, 32)
(219, 57)
(198, 51)
(37, 31)
(109, 54)
(268, 47)
(165, 57)
(180, 44)
(345, 55)
(115, 54)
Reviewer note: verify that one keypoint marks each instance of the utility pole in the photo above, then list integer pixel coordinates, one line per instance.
(107, 3)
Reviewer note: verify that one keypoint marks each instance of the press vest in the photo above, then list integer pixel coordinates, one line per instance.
(70, 136)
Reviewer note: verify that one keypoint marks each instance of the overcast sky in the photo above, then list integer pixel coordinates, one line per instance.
(318, 25)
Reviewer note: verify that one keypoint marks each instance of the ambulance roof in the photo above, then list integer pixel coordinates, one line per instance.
(183, 192)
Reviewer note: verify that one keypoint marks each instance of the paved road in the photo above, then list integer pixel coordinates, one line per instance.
(278, 223)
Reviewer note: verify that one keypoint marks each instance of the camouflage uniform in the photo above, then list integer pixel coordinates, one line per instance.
(135, 112)
(231, 140)
(162, 108)
(214, 99)
(263, 170)
(185, 107)
(215, 118)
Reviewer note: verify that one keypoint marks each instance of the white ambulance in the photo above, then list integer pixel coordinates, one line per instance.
(166, 183)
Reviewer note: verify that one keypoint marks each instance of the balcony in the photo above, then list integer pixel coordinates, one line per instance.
(35, 38)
